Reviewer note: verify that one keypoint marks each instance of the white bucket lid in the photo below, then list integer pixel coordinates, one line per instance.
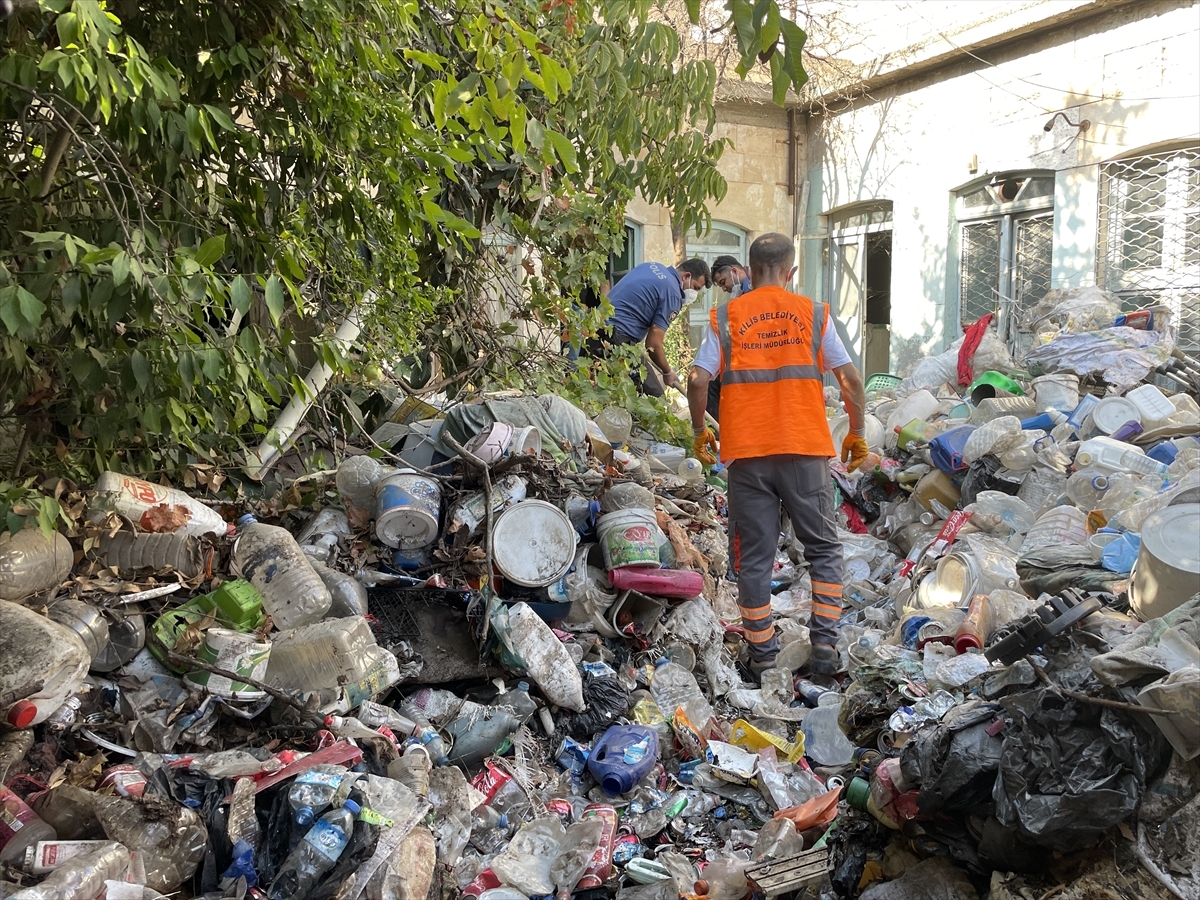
(533, 543)
(1112, 412)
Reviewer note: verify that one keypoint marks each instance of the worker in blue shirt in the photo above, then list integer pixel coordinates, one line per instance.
(734, 279)
(644, 304)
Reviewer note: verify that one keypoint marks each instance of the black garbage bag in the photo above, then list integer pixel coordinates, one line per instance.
(982, 476)
(849, 843)
(1070, 770)
(206, 796)
(955, 761)
(603, 701)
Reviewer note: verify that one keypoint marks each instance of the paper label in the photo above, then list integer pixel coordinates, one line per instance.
(327, 839)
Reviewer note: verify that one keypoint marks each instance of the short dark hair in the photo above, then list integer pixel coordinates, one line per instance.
(697, 268)
(725, 262)
(771, 251)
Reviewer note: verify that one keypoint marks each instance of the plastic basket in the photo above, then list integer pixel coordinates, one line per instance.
(881, 381)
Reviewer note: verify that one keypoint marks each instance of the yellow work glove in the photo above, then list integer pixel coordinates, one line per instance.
(854, 451)
(705, 446)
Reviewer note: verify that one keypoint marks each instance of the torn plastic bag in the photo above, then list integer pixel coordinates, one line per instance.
(1121, 356)
(1158, 647)
(603, 701)
(1069, 771)
(1169, 828)
(932, 879)
(983, 475)
(955, 761)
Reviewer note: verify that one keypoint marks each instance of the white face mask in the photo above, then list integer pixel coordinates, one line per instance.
(689, 297)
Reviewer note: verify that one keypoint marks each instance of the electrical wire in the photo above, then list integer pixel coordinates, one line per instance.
(1094, 97)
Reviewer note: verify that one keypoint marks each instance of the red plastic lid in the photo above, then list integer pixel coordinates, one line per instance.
(21, 714)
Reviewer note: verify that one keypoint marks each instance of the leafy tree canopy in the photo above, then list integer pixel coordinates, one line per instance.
(194, 195)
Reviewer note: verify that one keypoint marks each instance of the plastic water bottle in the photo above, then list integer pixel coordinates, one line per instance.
(316, 854)
(134, 498)
(30, 563)
(673, 687)
(128, 552)
(425, 734)
(270, 559)
(310, 795)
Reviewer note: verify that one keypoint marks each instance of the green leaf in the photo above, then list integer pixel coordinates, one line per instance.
(793, 42)
(693, 11)
(564, 150)
(104, 254)
(140, 366)
(211, 250)
(274, 298)
(221, 117)
(120, 268)
(241, 295)
(770, 27)
(32, 309)
(535, 133)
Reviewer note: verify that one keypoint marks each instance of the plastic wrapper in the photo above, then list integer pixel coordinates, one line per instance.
(1069, 771)
(932, 879)
(934, 371)
(1157, 648)
(525, 863)
(1073, 310)
(1123, 357)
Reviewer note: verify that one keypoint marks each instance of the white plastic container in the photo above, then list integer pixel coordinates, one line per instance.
(1116, 456)
(628, 537)
(133, 498)
(1112, 412)
(323, 655)
(1167, 571)
(917, 405)
(526, 440)
(1058, 391)
(270, 559)
(38, 656)
(533, 543)
(1152, 404)
(691, 470)
(492, 443)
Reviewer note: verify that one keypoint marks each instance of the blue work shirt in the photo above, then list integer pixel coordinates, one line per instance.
(650, 295)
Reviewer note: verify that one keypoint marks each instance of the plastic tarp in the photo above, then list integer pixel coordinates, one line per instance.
(563, 426)
(1145, 656)
(1121, 356)
(1070, 770)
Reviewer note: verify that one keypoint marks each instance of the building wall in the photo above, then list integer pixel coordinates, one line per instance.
(1133, 72)
(755, 167)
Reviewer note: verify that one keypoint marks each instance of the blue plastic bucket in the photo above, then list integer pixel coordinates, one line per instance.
(407, 508)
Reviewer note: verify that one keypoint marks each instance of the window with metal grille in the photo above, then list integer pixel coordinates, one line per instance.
(1006, 228)
(1148, 250)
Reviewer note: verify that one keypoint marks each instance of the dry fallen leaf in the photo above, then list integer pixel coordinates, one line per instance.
(164, 519)
(191, 636)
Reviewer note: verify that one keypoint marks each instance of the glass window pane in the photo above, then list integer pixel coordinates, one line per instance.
(978, 198)
(980, 278)
(1038, 187)
(1143, 244)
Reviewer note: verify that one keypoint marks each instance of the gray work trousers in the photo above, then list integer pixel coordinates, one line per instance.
(757, 488)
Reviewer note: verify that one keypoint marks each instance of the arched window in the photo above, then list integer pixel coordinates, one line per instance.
(1005, 243)
(1148, 248)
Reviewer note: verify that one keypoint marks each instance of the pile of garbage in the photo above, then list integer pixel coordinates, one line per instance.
(501, 657)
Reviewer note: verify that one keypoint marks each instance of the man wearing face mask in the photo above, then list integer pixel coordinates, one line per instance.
(730, 276)
(644, 303)
(770, 347)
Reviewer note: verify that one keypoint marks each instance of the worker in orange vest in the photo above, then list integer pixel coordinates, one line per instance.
(770, 347)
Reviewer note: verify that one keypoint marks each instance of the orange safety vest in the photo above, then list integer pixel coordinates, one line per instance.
(772, 393)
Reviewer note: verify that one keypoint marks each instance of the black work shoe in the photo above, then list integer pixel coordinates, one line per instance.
(758, 666)
(825, 660)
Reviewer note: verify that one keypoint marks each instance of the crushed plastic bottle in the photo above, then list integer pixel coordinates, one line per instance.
(81, 878)
(31, 563)
(171, 843)
(310, 795)
(129, 552)
(20, 827)
(269, 558)
(546, 660)
(674, 687)
(348, 595)
(316, 854)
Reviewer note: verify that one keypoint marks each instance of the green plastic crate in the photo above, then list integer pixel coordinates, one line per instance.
(238, 605)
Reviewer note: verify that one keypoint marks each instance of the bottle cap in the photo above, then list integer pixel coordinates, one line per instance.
(247, 519)
(353, 807)
(523, 686)
(304, 815)
(21, 714)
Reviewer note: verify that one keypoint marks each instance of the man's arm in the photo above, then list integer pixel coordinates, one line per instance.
(654, 345)
(697, 394)
(853, 396)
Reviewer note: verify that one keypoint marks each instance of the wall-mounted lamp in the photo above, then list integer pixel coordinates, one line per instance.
(1083, 124)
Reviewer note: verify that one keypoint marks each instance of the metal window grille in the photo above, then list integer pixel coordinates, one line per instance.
(1031, 270)
(980, 293)
(1149, 240)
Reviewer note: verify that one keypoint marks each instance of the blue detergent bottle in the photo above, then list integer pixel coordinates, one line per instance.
(623, 757)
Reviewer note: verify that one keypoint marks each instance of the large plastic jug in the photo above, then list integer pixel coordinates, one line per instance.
(623, 757)
(917, 405)
(1116, 456)
(946, 450)
(271, 560)
(43, 663)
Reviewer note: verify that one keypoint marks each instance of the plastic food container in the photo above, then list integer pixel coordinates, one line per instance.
(1058, 391)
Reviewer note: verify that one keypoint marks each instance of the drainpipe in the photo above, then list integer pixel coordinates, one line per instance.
(260, 460)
